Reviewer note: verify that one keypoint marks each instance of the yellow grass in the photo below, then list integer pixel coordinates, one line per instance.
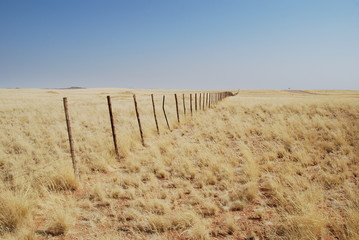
(264, 164)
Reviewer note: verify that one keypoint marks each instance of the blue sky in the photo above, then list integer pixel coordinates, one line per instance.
(183, 44)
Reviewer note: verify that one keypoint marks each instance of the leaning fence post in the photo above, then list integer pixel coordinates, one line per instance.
(154, 114)
(71, 142)
(164, 111)
(184, 105)
(113, 127)
(138, 120)
(190, 100)
(178, 119)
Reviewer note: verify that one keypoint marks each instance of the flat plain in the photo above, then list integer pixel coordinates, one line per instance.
(263, 164)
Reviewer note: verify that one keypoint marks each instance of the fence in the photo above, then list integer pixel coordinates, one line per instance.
(195, 101)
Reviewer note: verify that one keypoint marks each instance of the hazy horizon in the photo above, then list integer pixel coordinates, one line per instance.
(180, 44)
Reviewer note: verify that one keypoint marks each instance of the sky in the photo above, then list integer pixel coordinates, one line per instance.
(180, 44)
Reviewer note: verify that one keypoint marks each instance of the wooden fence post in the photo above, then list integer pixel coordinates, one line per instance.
(200, 96)
(164, 112)
(138, 120)
(190, 100)
(71, 142)
(195, 101)
(203, 94)
(154, 114)
(184, 105)
(178, 119)
(113, 127)
(209, 100)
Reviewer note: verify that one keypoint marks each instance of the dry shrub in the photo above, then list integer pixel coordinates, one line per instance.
(61, 181)
(200, 231)
(246, 192)
(155, 206)
(237, 205)
(14, 211)
(207, 208)
(21, 234)
(129, 180)
(129, 214)
(97, 193)
(226, 225)
(352, 225)
(59, 222)
(169, 222)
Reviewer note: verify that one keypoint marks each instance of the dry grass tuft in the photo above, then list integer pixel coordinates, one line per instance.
(200, 231)
(59, 222)
(14, 211)
(61, 180)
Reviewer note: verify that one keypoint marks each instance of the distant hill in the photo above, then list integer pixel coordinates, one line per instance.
(73, 88)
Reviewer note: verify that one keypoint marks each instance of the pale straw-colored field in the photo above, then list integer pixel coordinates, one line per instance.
(259, 165)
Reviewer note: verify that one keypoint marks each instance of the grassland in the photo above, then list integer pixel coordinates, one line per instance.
(259, 165)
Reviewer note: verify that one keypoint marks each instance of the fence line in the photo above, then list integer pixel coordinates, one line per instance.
(205, 100)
